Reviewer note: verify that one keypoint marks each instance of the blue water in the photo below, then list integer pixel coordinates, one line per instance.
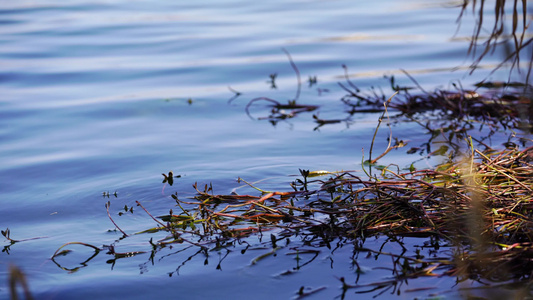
(104, 96)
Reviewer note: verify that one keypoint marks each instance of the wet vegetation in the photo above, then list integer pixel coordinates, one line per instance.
(473, 210)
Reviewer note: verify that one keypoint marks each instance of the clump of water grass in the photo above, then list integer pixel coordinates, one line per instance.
(421, 202)
(476, 204)
(493, 103)
(481, 206)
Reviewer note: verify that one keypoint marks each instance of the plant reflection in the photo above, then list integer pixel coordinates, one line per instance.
(111, 251)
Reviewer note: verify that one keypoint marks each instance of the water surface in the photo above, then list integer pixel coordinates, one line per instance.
(104, 96)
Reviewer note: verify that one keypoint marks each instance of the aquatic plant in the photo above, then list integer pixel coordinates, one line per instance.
(476, 204)
(17, 277)
(500, 32)
(278, 109)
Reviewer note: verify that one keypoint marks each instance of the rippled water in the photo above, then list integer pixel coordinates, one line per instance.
(104, 96)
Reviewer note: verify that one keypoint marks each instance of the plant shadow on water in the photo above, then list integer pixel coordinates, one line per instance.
(472, 212)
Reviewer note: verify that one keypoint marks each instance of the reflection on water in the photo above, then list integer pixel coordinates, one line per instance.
(104, 97)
